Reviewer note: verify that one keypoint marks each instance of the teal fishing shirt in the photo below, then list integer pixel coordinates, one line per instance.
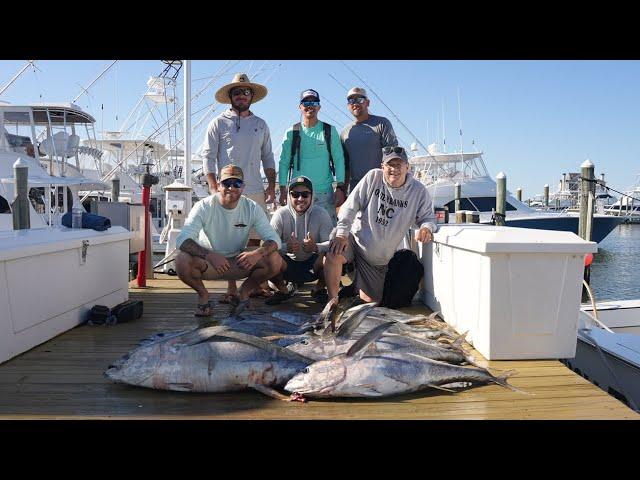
(314, 158)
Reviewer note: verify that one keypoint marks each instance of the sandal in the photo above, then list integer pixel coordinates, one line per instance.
(227, 297)
(279, 297)
(239, 306)
(204, 309)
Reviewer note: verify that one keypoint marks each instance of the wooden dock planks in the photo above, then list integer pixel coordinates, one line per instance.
(63, 379)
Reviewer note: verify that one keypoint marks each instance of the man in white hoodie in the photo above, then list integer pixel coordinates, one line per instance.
(304, 230)
(389, 201)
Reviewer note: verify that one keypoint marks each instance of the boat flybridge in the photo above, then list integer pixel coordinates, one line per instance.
(46, 137)
(441, 171)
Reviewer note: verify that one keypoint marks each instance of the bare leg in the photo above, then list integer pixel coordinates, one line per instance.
(332, 272)
(278, 279)
(232, 288)
(190, 270)
(266, 268)
(318, 269)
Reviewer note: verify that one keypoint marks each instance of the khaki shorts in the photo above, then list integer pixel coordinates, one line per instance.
(234, 273)
(369, 277)
(259, 199)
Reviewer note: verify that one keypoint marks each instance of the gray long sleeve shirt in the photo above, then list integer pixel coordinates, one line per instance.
(315, 220)
(387, 213)
(243, 141)
(363, 144)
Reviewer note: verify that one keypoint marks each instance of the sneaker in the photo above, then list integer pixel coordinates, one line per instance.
(279, 297)
(348, 291)
(320, 296)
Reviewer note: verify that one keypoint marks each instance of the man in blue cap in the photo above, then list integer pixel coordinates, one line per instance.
(313, 149)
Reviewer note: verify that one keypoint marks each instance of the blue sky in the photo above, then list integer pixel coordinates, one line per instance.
(533, 120)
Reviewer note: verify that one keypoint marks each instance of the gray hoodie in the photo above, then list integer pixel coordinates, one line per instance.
(243, 141)
(387, 213)
(315, 220)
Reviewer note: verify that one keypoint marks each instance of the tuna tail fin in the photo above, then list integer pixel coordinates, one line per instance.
(460, 339)
(371, 337)
(502, 380)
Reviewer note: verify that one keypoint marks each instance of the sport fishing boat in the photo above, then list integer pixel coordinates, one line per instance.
(441, 171)
(608, 349)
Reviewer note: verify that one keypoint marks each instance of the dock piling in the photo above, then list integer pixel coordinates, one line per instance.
(501, 198)
(20, 206)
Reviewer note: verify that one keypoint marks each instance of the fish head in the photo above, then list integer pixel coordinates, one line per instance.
(320, 378)
(136, 367)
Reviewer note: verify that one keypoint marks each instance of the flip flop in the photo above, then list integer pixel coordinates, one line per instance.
(204, 309)
(227, 297)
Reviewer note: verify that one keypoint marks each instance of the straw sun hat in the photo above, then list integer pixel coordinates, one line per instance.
(241, 80)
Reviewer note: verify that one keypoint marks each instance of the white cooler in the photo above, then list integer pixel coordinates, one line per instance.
(516, 291)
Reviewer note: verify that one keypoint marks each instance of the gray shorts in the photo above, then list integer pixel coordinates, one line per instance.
(369, 277)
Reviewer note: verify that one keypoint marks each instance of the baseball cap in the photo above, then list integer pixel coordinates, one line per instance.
(310, 93)
(389, 153)
(231, 171)
(361, 92)
(301, 180)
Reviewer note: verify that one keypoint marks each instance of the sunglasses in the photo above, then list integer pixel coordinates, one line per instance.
(388, 150)
(232, 182)
(355, 100)
(297, 195)
(241, 91)
(310, 104)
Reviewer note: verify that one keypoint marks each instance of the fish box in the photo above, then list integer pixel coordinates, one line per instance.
(50, 279)
(515, 291)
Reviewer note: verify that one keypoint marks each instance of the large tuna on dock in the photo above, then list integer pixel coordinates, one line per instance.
(212, 359)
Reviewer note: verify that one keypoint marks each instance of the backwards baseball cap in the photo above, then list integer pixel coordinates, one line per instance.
(301, 180)
(361, 92)
(231, 171)
(389, 153)
(310, 93)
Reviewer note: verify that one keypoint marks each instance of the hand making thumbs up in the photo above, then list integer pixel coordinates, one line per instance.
(293, 245)
(309, 244)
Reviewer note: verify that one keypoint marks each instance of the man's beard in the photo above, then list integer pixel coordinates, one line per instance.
(241, 108)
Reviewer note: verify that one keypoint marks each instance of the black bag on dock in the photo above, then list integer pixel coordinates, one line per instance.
(99, 315)
(127, 311)
(402, 280)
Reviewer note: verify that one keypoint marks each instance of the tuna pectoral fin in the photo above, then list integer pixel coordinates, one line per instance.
(371, 337)
(270, 392)
(265, 345)
(202, 335)
(349, 325)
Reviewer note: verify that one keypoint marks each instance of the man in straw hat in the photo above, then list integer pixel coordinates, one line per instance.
(213, 243)
(238, 136)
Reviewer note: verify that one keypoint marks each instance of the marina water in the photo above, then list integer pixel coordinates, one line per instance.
(614, 272)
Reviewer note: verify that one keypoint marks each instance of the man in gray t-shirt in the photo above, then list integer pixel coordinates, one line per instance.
(364, 139)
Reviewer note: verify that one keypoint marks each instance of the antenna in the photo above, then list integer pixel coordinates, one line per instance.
(444, 135)
(86, 89)
(17, 75)
(460, 121)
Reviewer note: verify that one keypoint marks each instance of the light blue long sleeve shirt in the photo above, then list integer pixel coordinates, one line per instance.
(226, 230)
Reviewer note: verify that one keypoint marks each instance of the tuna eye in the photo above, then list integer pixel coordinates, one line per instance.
(305, 342)
(306, 370)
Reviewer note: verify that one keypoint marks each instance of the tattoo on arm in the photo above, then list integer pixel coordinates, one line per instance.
(268, 247)
(194, 249)
(271, 176)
